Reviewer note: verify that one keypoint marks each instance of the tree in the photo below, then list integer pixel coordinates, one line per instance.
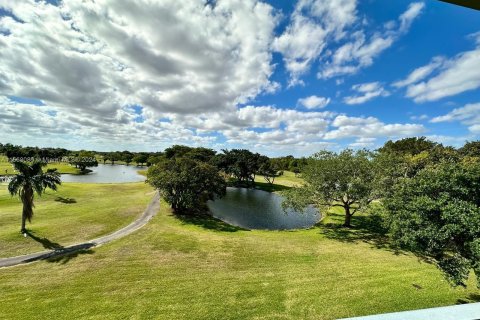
(140, 159)
(115, 156)
(343, 180)
(177, 151)
(437, 214)
(83, 160)
(410, 146)
(470, 152)
(30, 180)
(396, 162)
(268, 169)
(241, 164)
(127, 157)
(154, 159)
(186, 184)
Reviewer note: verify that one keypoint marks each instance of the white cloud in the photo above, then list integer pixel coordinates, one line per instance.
(420, 73)
(313, 24)
(453, 76)
(413, 11)
(363, 143)
(367, 91)
(210, 58)
(468, 115)
(112, 74)
(314, 102)
(348, 127)
(361, 50)
(419, 118)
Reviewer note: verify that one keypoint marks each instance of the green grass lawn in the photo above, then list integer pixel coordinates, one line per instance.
(283, 182)
(6, 168)
(76, 212)
(203, 269)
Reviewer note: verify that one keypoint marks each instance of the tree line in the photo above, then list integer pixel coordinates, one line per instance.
(427, 194)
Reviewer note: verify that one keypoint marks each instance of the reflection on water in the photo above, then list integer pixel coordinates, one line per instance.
(256, 209)
(106, 173)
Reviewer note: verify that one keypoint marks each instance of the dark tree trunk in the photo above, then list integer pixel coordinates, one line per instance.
(348, 217)
(24, 219)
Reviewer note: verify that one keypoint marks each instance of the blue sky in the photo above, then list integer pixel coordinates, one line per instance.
(278, 77)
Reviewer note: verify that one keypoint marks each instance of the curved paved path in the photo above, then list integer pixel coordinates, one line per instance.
(151, 210)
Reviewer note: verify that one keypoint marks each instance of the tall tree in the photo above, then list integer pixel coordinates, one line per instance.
(241, 164)
(186, 184)
(29, 180)
(83, 160)
(411, 146)
(437, 214)
(140, 159)
(268, 169)
(471, 149)
(344, 179)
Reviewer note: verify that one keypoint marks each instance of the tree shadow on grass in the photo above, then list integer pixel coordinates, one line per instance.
(61, 254)
(471, 298)
(65, 200)
(365, 228)
(64, 256)
(208, 222)
(46, 243)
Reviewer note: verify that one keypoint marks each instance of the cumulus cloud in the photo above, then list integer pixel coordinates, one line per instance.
(366, 92)
(370, 127)
(314, 102)
(363, 143)
(87, 55)
(468, 115)
(450, 76)
(361, 50)
(312, 24)
(112, 74)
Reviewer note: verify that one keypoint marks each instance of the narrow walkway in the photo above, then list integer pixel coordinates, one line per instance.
(151, 211)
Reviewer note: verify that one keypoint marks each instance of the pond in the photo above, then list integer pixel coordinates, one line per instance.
(257, 209)
(107, 173)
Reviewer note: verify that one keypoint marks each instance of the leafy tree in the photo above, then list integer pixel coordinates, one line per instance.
(83, 160)
(127, 157)
(395, 165)
(342, 180)
(470, 152)
(115, 156)
(268, 169)
(154, 159)
(241, 164)
(410, 146)
(437, 214)
(30, 180)
(186, 184)
(140, 159)
(177, 151)
(201, 154)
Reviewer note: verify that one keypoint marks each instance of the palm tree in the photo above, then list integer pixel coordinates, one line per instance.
(30, 180)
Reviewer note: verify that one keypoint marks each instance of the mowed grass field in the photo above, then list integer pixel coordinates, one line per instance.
(76, 212)
(283, 182)
(6, 168)
(200, 268)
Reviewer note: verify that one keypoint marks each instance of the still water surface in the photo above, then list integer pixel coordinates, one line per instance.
(106, 173)
(257, 209)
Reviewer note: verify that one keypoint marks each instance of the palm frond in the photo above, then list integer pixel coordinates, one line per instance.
(15, 184)
(21, 167)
